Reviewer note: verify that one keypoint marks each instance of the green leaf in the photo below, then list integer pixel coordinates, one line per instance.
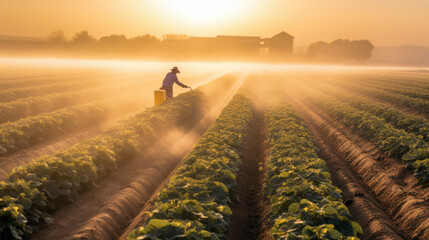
(334, 234)
(83, 178)
(32, 177)
(294, 207)
(52, 190)
(225, 210)
(39, 202)
(331, 211)
(357, 228)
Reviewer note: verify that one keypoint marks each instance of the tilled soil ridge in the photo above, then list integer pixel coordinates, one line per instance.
(363, 206)
(408, 208)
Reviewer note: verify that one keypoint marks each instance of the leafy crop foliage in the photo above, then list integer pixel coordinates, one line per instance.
(403, 90)
(30, 130)
(195, 204)
(32, 191)
(24, 107)
(411, 148)
(408, 122)
(31, 91)
(46, 80)
(304, 202)
(417, 104)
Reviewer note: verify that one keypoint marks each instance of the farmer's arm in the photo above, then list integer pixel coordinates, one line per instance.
(176, 80)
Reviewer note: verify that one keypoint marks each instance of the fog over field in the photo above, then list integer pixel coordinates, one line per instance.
(214, 120)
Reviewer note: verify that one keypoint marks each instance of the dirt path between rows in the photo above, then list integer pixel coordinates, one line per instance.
(248, 218)
(26, 155)
(108, 208)
(381, 194)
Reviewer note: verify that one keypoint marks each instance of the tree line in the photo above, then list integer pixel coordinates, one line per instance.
(341, 50)
(84, 37)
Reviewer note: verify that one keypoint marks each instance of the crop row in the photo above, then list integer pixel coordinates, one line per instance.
(399, 89)
(7, 95)
(408, 122)
(33, 129)
(399, 80)
(33, 81)
(34, 190)
(412, 149)
(304, 204)
(24, 107)
(420, 105)
(195, 204)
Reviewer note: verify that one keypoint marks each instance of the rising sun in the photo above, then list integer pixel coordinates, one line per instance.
(203, 11)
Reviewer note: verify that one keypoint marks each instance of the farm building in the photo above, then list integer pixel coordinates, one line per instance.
(280, 44)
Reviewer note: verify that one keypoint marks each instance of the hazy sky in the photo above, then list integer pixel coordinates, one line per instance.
(384, 22)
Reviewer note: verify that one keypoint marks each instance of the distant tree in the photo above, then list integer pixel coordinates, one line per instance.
(83, 37)
(147, 38)
(362, 49)
(317, 49)
(57, 37)
(342, 49)
(114, 39)
(175, 37)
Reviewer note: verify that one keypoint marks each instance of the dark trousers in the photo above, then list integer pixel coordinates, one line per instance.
(168, 91)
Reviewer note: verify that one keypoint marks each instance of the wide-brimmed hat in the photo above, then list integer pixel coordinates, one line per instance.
(175, 69)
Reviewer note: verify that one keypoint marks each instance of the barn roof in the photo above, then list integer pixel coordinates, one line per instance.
(282, 35)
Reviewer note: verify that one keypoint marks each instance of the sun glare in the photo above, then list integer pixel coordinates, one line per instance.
(203, 11)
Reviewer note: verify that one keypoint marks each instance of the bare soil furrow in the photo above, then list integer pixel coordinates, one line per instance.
(405, 203)
(247, 220)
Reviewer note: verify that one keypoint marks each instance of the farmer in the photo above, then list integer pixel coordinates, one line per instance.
(169, 80)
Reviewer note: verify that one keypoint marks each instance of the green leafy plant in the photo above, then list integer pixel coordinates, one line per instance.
(30, 130)
(12, 111)
(304, 204)
(411, 148)
(51, 181)
(195, 204)
(408, 122)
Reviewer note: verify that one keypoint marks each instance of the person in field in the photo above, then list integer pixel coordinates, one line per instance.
(169, 80)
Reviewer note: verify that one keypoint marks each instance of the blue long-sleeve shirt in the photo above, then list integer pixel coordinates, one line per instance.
(170, 79)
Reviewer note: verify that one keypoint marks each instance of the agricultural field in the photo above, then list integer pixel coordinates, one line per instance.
(252, 152)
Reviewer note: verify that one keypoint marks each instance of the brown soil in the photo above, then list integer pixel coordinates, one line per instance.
(26, 155)
(383, 195)
(112, 205)
(247, 221)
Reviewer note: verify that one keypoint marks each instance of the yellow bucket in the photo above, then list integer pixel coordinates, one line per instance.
(160, 97)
